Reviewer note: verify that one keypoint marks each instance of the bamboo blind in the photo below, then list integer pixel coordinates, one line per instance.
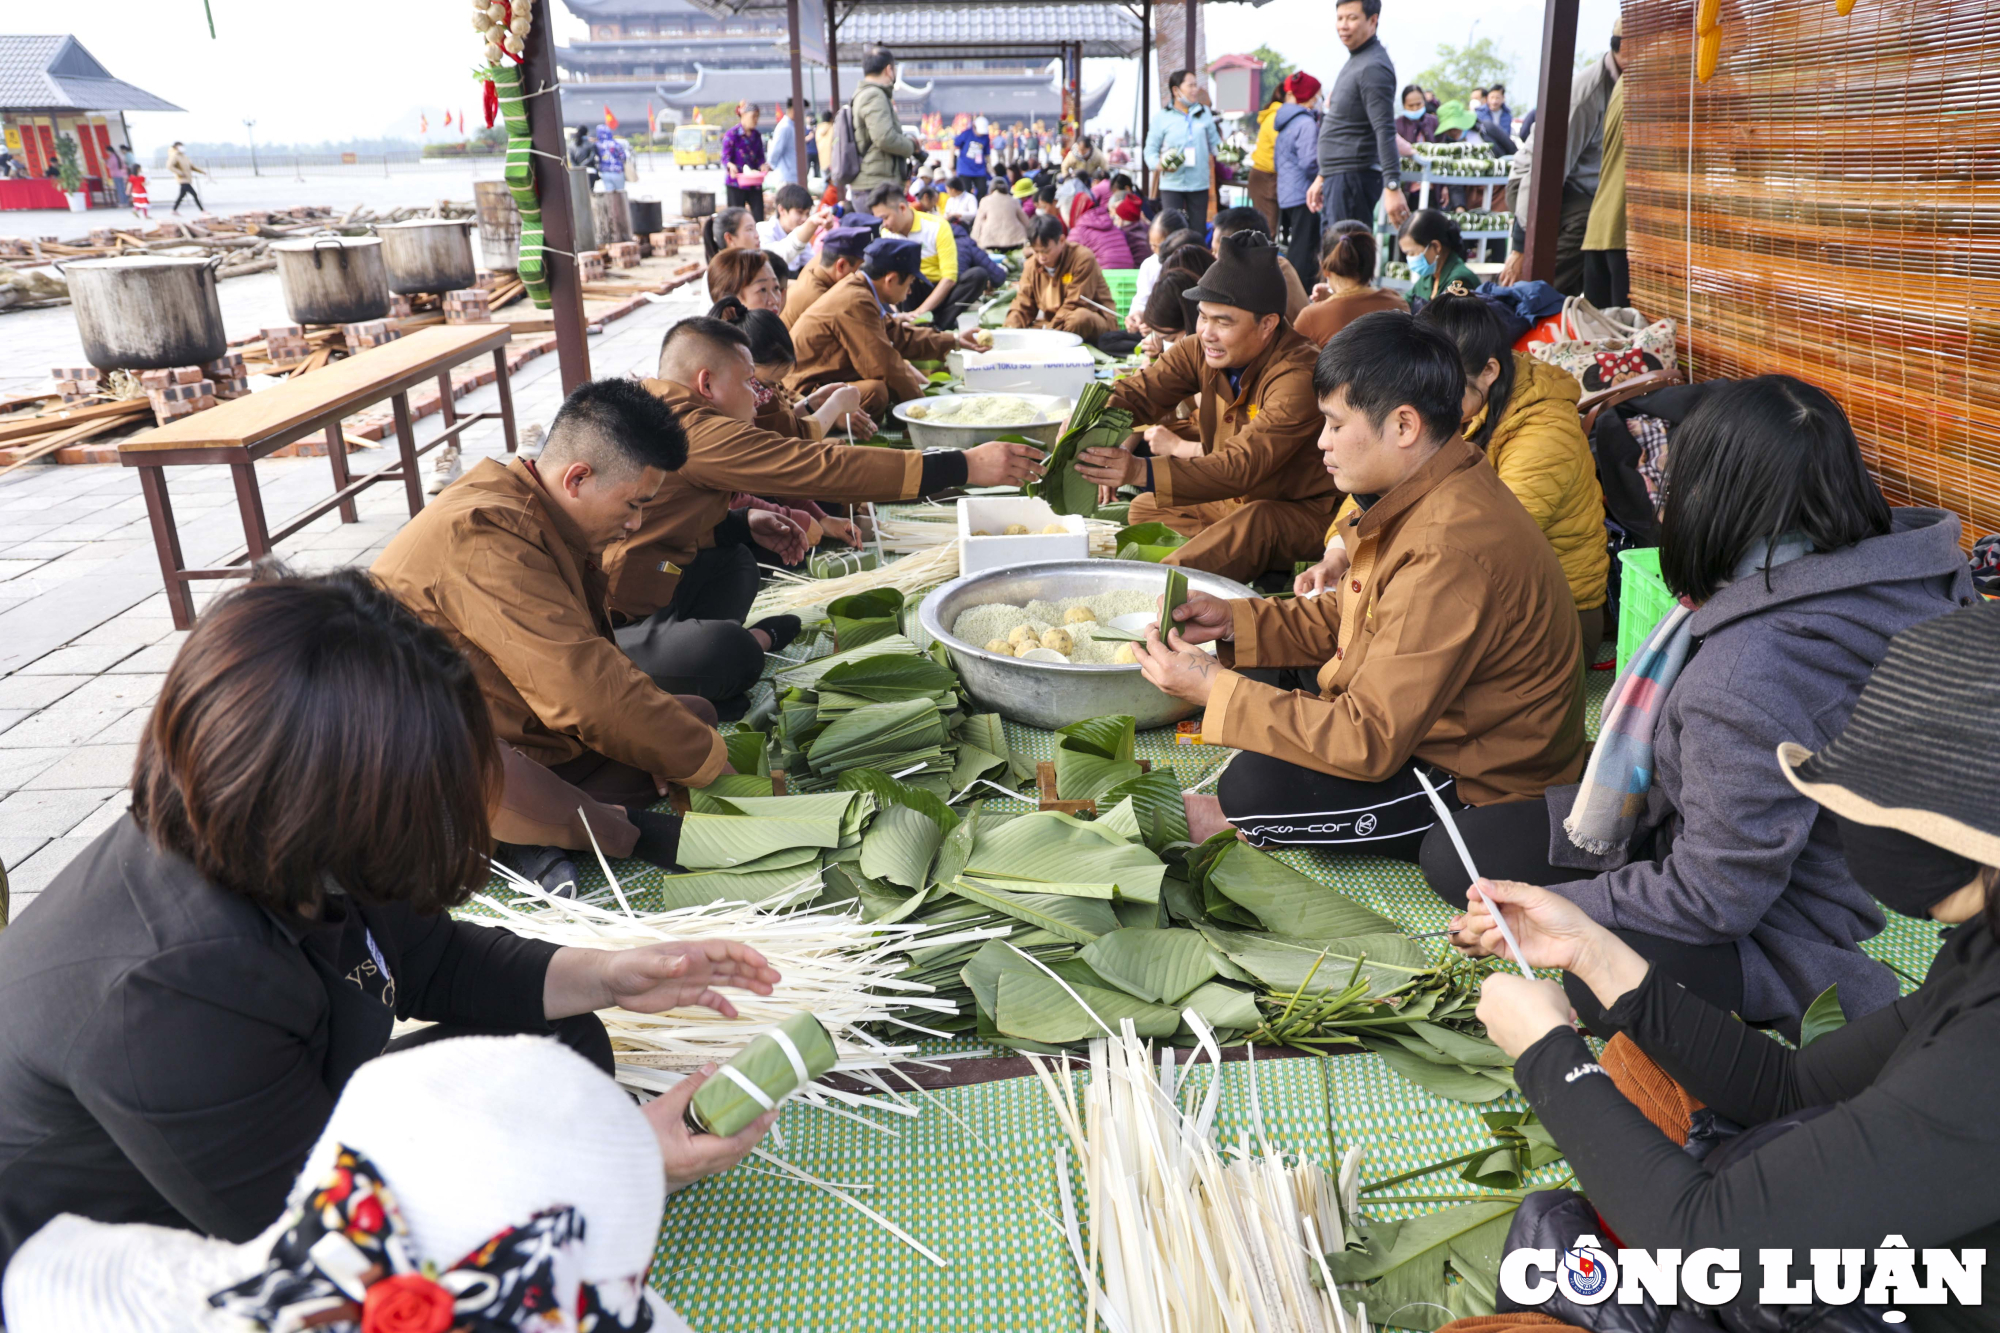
(1828, 206)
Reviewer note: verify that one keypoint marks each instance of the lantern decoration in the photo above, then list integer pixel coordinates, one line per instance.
(504, 26)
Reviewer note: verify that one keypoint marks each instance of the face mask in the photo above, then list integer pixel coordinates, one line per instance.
(1905, 873)
(1421, 266)
(1408, 114)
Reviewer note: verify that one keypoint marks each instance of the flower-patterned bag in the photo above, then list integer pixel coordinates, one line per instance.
(1604, 348)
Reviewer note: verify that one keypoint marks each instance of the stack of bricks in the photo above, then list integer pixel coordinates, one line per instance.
(590, 265)
(230, 378)
(469, 305)
(16, 247)
(690, 233)
(369, 333)
(76, 383)
(179, 392)
(286, 345)
(400, 306)
(665, 243)
(486, 280)
(103, 237)
(622, 254)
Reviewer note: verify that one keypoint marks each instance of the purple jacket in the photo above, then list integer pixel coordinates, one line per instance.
(742, 150)
(1097, 229)
(1296, 154)
(1732, 853)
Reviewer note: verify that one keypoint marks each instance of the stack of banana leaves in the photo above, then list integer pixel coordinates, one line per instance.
(1093, 424)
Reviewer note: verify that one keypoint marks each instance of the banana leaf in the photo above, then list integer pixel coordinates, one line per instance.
(1176, 594)
(1093, 423)
(1283, 900)
(1121, 819)
(1148, 541)
(890, 678)
(956, 850)
(712, 886)
(987, 732)
(746, 751)
(1389, 963)
(1032, 1005)
(1822, 1016)
(865, 617)
(799, 860)
(1157, 806)
(899, 845)
(1446, 1080)
(1054, 847)
(1079, 920)
(1162, 966)
(1137, 915)
(1404, 1263)
(724, 1107)
(887, 791)
(1103, 892)
(810, 805)
(874, 736)
(806, 675)
(973, 763)
(713, 841)
(1224, 1006)
(1095, 755)
(714, 799)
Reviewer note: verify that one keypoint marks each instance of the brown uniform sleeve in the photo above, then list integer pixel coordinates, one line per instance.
(871, 349)
(1021, 314)
(1153, 395)
(512, 603)
(1288, 419)
(1430, 628)
(740, 457)
(920, 344)
(1288, 632)
(1076, 314)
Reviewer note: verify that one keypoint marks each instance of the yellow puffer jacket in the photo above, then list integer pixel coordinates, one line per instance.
(1540, 451)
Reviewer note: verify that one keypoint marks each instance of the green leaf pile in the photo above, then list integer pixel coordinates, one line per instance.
(1093, 424)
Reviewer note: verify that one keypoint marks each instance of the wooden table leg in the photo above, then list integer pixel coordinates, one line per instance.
(167, 541)
(406, 444)
(506, 399)
(250, 503)
(336, 452)
(444, 400)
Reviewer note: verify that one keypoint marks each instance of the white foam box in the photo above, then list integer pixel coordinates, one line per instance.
(1063, 371)
(998, 513)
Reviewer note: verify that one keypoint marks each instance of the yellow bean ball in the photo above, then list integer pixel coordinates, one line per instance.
(1127, 655)
(1079, 615)
(1023, 635)
(1058, 639)
(981, 532)
(1000, 646)
(1017, 529)
(1054, 527)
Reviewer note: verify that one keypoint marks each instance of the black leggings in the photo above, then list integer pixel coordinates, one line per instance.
(696, 644)
(747, 196)
(1511, 841)
(187, 192)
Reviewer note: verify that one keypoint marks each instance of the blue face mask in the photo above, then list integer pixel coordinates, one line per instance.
(1408, 114)
(1421, 266)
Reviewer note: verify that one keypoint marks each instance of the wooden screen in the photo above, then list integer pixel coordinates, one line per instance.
(1828, 206)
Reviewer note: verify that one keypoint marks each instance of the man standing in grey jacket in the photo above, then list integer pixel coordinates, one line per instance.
(885, 150)
(1358, 160)
(1583, 162)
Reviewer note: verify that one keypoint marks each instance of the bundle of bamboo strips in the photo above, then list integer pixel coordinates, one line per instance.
(1175, 1235)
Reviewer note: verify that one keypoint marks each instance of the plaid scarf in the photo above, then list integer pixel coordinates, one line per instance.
(1620, 772)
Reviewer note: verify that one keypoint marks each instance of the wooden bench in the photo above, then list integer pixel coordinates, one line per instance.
(239, 432)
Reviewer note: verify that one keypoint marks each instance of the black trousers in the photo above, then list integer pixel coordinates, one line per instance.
(1275, 803)
(1302, 225)
(970, 285)
(1194, 203)
(748, 196)
(187, 192)
(696, 644)
(1570, 229)
(975, 185)
(1511, 841)
(583, 1034)
(1607, 278)
(1350, 194)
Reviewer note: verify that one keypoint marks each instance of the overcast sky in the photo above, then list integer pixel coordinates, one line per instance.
(369, 67)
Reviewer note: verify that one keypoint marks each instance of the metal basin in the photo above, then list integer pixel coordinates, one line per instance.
(1046, 428)
(1054, 694)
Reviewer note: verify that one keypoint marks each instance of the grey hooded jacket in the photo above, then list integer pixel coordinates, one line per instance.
(1731, 852)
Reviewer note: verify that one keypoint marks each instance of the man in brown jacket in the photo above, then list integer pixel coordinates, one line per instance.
(1251, 493)
(850, 335)
(504, 563)
(682, 562)
(1451, 643)
(1061, 285)
(840, 252)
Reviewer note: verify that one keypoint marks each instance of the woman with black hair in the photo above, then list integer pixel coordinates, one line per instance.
(1684, 839)
(1166, 224)
(833, 409)
(1435, 252)
(1883, 1127)
(1347, 281)
(730, 229)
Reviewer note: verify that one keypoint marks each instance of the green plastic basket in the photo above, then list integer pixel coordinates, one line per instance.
(1642, 600)
(1124, 286)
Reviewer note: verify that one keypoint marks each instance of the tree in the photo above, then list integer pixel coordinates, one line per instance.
(1460, 69)
(1276, 69)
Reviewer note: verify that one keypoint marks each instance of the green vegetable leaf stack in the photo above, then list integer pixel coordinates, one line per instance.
(1093, 424)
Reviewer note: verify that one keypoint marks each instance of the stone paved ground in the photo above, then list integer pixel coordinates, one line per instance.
(85, 634)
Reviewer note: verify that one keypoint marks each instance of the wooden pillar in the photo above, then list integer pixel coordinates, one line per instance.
(1543, 197)
(800, 127)
(1145, 72)
(545, 128)
(1193, 13)
(833, 52)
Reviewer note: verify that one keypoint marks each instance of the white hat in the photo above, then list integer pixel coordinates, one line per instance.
(979, 124)
(490, 1164)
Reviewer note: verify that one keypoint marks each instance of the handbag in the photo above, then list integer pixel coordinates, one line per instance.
(1604, 348)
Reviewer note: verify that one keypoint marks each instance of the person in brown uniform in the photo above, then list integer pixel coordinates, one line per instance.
(1250, 492)
(1061, 285)
(850, 335)
(840, 252)
(682, 563)
(504, 563)
(1452, 642)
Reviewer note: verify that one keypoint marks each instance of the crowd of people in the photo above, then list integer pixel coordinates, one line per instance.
(552, 644)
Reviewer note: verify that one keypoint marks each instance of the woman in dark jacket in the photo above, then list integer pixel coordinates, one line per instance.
(1684, 838)
(186, 1000)
(1881, 1128)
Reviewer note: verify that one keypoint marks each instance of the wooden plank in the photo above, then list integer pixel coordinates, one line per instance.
(63, 439)
(359, 381)
(28, 427)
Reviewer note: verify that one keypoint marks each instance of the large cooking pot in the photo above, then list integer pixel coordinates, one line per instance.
(428, 255)
(645, 216)
(147, 312)
(333, 279)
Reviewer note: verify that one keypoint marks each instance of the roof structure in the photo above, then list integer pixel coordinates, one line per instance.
(1237, 61)
(54, 72)
(1002, 96)
(1103, 30)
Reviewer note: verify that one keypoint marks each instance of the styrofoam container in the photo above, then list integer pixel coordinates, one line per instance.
(1033, 340)
(996, 514)
(1064, 371)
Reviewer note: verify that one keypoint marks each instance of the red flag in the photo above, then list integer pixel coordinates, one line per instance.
(609, 119)
(423, 124)
(447, 120)
(652, 122)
